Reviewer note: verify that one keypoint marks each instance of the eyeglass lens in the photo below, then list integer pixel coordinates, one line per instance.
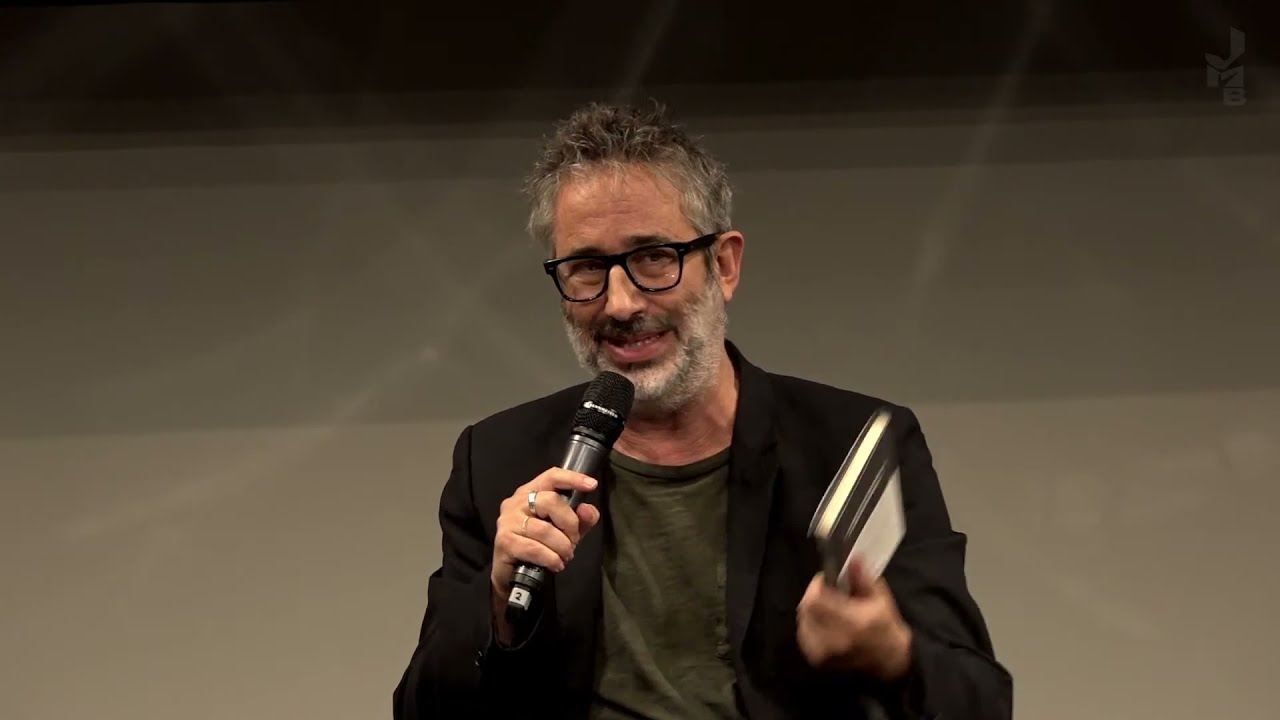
(652, 269)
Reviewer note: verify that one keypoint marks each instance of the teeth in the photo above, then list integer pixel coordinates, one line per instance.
(641, 341)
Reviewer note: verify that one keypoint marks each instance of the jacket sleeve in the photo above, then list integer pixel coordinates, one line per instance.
(954, 672)
(458, 663)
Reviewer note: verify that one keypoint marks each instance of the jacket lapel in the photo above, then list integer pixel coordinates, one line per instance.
(753, 468)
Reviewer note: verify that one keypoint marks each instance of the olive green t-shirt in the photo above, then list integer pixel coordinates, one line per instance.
(665, 649)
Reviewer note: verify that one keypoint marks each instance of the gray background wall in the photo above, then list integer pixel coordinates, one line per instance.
(241, 330)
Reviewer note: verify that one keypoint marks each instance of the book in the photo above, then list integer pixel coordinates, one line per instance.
(861, 513)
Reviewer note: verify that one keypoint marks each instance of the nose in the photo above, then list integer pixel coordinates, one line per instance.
(623, 299)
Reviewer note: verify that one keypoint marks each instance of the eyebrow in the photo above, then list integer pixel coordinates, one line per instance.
(632, 242)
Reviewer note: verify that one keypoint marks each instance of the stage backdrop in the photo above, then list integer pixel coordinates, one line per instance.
(234, 363)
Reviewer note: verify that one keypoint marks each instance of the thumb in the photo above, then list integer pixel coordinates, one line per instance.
(588, 516)
(860, 581)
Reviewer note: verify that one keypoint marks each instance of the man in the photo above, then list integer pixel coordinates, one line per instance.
(685, 586)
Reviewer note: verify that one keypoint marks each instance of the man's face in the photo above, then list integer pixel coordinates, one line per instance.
(668, 343)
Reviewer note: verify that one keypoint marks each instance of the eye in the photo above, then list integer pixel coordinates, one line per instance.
(583, 267)
(654, 256)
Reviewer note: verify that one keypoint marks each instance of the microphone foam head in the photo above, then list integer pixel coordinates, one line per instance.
(605, 406)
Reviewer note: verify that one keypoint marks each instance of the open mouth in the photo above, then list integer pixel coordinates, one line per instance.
(636, 348)
(635, 341)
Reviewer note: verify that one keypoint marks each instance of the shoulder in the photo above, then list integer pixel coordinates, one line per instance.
(501, 451)
(519, 439)
(530, 417)
(823, 420)
(815, 403)
(525, 436)
(816, 424)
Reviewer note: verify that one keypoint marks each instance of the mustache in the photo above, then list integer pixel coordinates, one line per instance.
(612, 329)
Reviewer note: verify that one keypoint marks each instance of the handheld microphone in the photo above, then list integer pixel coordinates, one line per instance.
(596, 427)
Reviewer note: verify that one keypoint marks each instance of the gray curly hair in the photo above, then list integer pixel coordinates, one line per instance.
(611, 137)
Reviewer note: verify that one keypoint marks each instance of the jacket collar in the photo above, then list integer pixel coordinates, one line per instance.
(753, 430)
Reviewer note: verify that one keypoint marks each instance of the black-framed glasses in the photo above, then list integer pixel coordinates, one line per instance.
(652, 268)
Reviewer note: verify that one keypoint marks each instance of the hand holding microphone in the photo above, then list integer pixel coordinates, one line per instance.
(543, 533)
(543, 521)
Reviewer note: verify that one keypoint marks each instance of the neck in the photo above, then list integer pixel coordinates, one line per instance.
(702, 427)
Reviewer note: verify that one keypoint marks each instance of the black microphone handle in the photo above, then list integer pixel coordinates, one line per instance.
(585, 455)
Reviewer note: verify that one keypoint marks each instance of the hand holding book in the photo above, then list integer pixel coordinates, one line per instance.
(860, 630)
(848, 618)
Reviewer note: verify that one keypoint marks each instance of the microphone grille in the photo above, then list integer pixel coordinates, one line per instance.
(605, 406)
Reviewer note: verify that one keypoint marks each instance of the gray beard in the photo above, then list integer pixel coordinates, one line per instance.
(671, 383)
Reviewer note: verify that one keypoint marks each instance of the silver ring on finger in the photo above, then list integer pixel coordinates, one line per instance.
(533, 502)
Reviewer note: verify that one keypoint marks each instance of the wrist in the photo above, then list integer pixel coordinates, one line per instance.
(502, 629)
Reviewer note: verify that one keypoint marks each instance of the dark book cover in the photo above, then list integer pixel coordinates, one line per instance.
(861, 512)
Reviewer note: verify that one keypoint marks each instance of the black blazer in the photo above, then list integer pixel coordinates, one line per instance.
(789, 437)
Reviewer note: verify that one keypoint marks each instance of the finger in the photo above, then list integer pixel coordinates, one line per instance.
(860, 582)
(820, 609)
(529, 550)
(553, 508)
(511, 547)
(549, 535)
(857, 615)
(560, 479)
(811, 639)
(588, 516)
(823, 598)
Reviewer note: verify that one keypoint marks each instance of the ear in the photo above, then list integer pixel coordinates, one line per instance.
(728, 261)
